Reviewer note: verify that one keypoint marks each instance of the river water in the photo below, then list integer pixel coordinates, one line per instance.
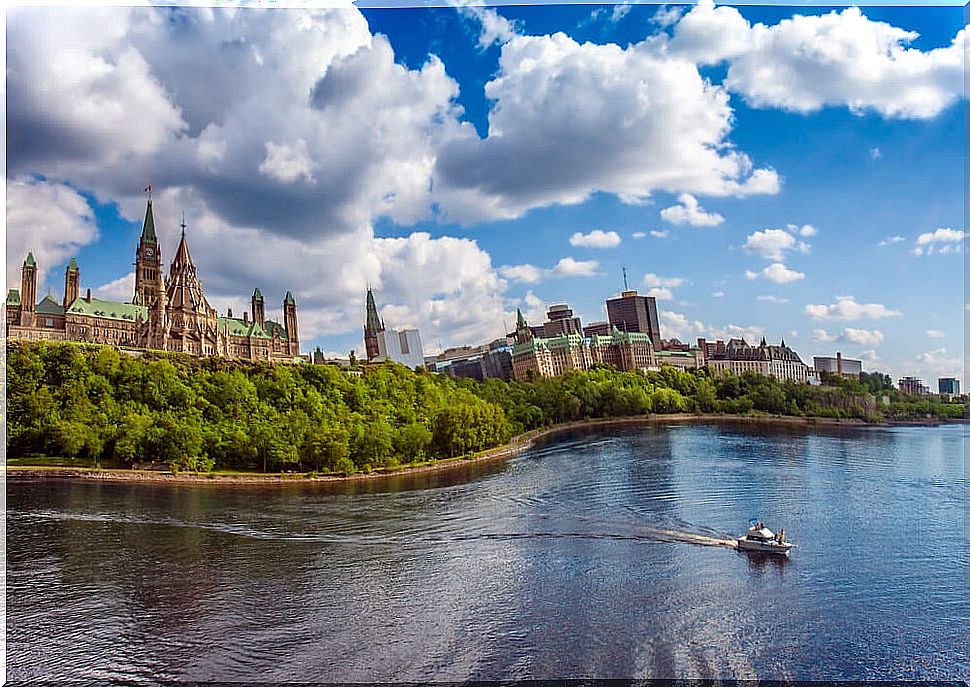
(572, 560)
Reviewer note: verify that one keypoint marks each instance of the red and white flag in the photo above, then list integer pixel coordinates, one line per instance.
(148, 189)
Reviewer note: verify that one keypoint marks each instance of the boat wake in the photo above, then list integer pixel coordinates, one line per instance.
(691, 538)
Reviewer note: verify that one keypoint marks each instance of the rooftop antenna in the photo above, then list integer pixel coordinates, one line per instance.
(625, 287)
(183, 222)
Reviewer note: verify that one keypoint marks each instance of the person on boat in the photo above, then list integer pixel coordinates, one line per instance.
(781, 536)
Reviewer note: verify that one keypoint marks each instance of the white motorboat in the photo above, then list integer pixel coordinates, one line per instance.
(760, 538)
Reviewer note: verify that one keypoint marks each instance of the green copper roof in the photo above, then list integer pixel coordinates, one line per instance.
(73, 266)
(519, 319)
(270, 326)
(13, 297)
(289, 299)
(257, 294)
(49, 306)
(29, 262)
(239, 328)
(148, 230)
(109, 310)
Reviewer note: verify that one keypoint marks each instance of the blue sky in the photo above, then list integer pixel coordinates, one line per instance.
(791, 171)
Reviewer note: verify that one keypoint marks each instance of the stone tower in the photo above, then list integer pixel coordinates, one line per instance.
(522, 331)
(372, 327)
(289, 323)
(259, 311)
(148, 263)
(72, 284)
(28, 291)
(193, 325)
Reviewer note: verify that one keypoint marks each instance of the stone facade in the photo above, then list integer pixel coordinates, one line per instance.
(534, 356)
(738, 356)
(165, 313)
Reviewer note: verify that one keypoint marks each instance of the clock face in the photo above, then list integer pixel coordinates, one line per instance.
(149, 253)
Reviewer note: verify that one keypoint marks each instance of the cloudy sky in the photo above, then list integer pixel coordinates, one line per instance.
(796, 172)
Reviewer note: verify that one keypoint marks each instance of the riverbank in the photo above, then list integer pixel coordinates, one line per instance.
(516, 446)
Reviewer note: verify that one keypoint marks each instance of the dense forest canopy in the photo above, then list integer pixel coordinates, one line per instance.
(100, 406)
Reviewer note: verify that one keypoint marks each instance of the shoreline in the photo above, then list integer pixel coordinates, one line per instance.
(515, 446)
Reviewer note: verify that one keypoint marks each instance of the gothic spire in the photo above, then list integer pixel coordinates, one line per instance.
(373, 322)
(148, 228)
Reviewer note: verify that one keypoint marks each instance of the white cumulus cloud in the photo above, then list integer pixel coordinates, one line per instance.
(655, 280)
(121, 289)
(51, 220)
(529, 274)
(595, 239)
(776, 272)
(926, 243)
(689, 211)
(805, 63)
(890, 240)
(287, 163)
(846, 308)
(581, 117)
(569, 267)
(863, 337)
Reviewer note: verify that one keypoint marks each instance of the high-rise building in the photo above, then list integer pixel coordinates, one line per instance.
(560, 320)
(843, 367)
(382, 344)
(402, 346)
(594, 328)
(631, 312)
(949, 386)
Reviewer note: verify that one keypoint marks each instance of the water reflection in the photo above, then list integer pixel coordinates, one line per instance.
(570, 561)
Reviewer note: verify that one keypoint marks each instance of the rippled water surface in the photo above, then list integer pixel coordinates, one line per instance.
(594, 555)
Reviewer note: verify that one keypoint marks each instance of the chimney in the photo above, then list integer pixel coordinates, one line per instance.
(245, 317)
(88, 297)
(838, 362)
(229, 313)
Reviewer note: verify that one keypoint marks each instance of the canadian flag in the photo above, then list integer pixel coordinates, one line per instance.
(148, 189)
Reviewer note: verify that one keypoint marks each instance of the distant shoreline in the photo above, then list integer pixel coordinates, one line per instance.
(517, 445)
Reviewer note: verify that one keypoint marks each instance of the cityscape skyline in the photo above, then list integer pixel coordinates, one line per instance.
(829, 215)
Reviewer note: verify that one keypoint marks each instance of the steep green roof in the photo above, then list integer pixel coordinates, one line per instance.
(73, 266)
(49, 306)
(519, 319)
(269, 326)
(109, 310)
(257, 294)
(29, 262)
(239, 328)
(148, 229)
(13, 297)
(289, 299)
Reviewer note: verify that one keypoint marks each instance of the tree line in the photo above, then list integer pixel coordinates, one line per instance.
(96, 405)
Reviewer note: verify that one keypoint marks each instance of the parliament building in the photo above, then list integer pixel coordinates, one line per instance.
(165, 313)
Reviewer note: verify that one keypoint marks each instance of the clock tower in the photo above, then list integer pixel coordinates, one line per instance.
(148, 263)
